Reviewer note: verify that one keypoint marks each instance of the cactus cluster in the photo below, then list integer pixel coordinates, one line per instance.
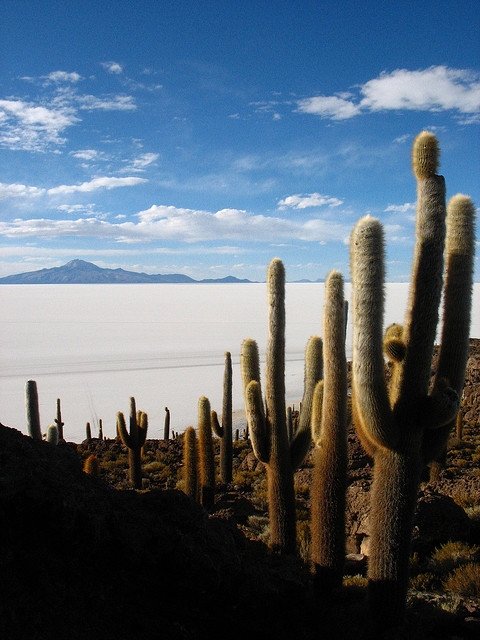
(267, 423)
(406, 425)
(134, 439)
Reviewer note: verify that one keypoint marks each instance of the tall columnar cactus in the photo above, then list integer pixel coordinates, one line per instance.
(329, 433)
(58, 421)
(88, 432)
(166, 427)
(100, 430)
(268, 424)
(207, 458)
(31, 410)
(134, 441)
(190, 463)
(225, 431)
(406, 425)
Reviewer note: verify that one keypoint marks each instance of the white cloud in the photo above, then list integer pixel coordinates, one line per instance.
(96, 184)
(114, 103)
(331, 107)
(400, 208)
(31, 127)
(311, 200)
(141, 162)
(438, 88)
(19, 191)
(77, 208)
(183, 225)
(433, 89)
(86, 154)
(112, 67)
(63, 76)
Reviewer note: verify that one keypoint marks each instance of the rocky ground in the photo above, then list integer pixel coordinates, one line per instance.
(84, 557)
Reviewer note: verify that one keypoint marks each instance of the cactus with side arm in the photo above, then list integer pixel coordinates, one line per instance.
(134, 440)
(267, 424)
(224, 432)
(406, 425)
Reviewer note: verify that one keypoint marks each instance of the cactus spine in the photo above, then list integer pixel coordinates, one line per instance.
(166, 427)
(31, 410)
(134, 440)
(225, 431)
(329, 433)
(406, 425)
(268, 429)
(190, 463)
(58, 421)
(207, 459)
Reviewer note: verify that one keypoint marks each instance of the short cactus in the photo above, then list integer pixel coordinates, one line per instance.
(225, 431)
(88, 431)
(134, 440)
(52, 434)
(268, 428)
(92, 466)
(31, 410)
(407, 425)
(166, 427)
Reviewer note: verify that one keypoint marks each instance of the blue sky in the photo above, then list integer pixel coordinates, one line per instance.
(207, 138)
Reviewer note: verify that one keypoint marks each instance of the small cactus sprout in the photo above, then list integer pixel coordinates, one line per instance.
(92, 466)
(134, 440)
(52, 434)
(31, 410)
(207, 459)
(267, 422)
(407, 424)
(224, 432)
(166, 427)
(190, 463)
(58, 421)
(88, 432)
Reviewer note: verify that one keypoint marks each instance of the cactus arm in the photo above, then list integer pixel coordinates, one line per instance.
(460, 248)
(317, 404)
(427, 271)
(256, 421)
(142, 429)
(290, 423)
(252, 392)
(372, 410)
(217, 429)
(58, 420)
(302, 439)
(122, 430)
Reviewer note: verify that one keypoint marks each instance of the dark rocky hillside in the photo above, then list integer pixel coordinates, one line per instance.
(85, 557)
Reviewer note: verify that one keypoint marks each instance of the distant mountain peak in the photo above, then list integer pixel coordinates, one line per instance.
(82, 272)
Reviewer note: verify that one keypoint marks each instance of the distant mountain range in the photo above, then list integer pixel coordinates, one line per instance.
(82, 272)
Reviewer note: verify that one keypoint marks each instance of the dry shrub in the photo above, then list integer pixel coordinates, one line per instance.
(464, 580)
(451, 556)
